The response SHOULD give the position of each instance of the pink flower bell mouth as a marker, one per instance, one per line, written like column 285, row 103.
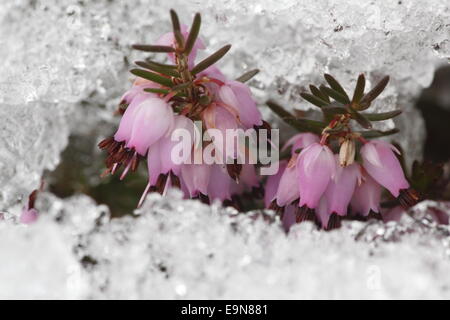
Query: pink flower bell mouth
column 29, row 213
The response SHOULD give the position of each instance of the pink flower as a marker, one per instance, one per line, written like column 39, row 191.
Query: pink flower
column 160, row 159
column 168, row 39
column 300, row 141
column 28, row 215
column 288, row 188
column 381, row 163
column 316, row 165
column 153, row 119
column 134, row 98
column 272, row 183
column 238, row 96
column 219, row 186
column 218, row 118
column 248, row 180
column 196, row 178
column 366, row 196
column 339, row 192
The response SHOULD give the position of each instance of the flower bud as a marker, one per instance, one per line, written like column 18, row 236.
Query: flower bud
column 347, row 153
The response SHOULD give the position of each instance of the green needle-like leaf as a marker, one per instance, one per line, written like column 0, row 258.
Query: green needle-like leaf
column 362, row 120
column 382, row 116
column 319, row 94
column 314, row 100
column 302, row 125
column 175, row 20
column 359, row 89
column 334, row 84
column 152, row 77
column 150, row 48
column 163, row 65
column 202, row 65
column 334, row 94
column 176, row 28
column 375, row 92
column 193, row 34
column 378, row 133
column 248, row 75
column 163, row 91
column 157, row 90
column 334, row 108
column 181, row 86
column 157, row 68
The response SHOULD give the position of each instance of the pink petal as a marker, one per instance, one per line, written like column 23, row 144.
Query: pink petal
column 323, row 212
column 154, row 164
column 272, row 184
column 389, row 172
column 366, row 197
column 126, row 123
column 340, row 190
column 153, row 119
column 300, row 141
column 315, row 167
column 196, row 177
column 238, row 95
column 29, row 216
column 370, row 154
column 288, row 187
column 219, row 183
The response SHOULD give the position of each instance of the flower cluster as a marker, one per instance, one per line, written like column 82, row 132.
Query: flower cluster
column 332, row 168
column 321, row 185
column 186, row 97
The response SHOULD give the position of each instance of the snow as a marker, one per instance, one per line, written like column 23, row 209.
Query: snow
column 176, row 249
column 64, row 67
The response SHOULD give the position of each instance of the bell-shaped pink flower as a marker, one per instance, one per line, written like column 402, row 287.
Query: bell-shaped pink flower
column 300, row 141
column 272, row 183
column 238, row 96
column 366, row 197
column 341, row 188
column 153, row 119
column 288, row 188
column 316, row 165
column 219, row 183
column 339, row 192
column 219, row 118
column 381, row 163
column 29, row 215
column 126, row 122
column 168, row 39
column 160, row 159
column 196, row 178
